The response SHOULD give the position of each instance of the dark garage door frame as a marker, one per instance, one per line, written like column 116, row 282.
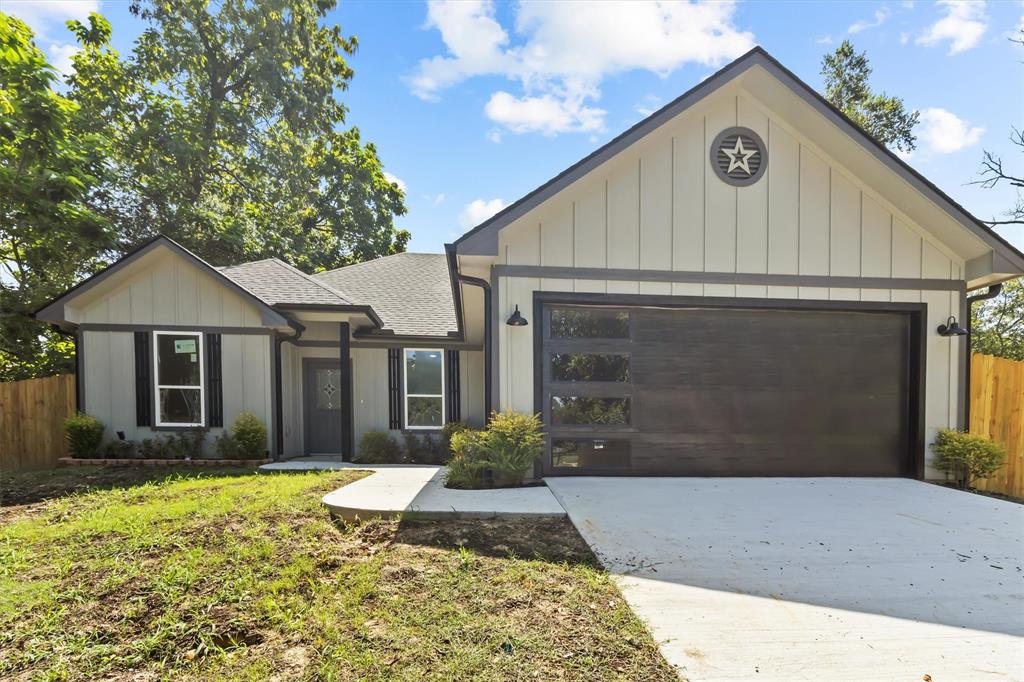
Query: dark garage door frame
column 915, row 312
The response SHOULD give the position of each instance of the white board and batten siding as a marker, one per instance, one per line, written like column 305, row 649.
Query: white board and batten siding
column 658, row 206
column 176, row 293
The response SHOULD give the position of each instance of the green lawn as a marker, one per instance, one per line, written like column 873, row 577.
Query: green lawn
column 236, row 575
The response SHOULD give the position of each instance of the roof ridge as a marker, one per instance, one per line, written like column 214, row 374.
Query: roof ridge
column 318, row 283
column 374, row 260
column 248, row 262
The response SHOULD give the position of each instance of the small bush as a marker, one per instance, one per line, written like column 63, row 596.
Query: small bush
column 378, row 447
column 423, row 448
column 185, row 444
column 118, row 449
column 84, row 434
column 499, row 456
column 966, row 455
column 250, row 436
column 226, row 446
column 449, row 430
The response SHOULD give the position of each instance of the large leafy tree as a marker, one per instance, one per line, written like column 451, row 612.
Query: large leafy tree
column 229, row 134
column 50, row 163
column 998, row 324
column 882, row 116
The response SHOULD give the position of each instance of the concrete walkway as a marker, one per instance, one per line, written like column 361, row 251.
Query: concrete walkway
column 813, row 579
column 418, row 490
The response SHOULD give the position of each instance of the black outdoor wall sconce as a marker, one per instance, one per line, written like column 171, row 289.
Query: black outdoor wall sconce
column 951, row 328
column 516, row 319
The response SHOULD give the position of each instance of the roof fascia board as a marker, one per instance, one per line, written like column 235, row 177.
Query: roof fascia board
column 54, row 310
column 483, row 239
column 330, row 308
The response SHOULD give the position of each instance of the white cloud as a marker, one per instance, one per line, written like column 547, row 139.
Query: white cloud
column 563, row 54
column 648, row 105
column 962, row 26
column 881, row 14
column 479, row 210
column 944, row 132
column 47, row 17
column 494, row 135
column 824, row 40
column 43, row 15
column 59, row 55
column 396, row 180
column 546, row 114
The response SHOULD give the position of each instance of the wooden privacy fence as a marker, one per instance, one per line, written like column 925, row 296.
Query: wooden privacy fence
column 997, row 411
column 32, row 414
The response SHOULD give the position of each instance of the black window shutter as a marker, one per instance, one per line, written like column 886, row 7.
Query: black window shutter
column 452, row 389
column 143, row 380
column 214, row 382
column 394, row 388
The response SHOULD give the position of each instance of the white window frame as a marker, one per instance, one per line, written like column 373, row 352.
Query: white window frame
column 157, row 385
column 405, row 389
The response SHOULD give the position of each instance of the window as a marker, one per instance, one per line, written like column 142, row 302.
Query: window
column 580, row 410
column 179, row 378
column 424, row 389
column 589, row 323
column 589, row 367
column 590, row 453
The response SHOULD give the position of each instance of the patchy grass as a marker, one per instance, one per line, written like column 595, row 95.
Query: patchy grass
column 232, row 575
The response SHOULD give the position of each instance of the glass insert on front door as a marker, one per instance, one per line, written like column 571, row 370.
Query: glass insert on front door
column 328, row 389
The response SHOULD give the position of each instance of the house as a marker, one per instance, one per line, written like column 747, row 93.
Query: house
column 743, row 283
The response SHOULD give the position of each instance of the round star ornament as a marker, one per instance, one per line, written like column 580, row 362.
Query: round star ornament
column 739, row 156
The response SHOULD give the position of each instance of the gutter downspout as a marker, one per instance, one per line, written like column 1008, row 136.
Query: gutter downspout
column 278, row 408
column 453, row 267
column 992, row 292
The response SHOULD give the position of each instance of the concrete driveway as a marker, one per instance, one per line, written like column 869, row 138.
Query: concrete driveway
column 813, row 579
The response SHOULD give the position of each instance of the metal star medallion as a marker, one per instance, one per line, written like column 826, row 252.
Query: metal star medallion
column 739, row 157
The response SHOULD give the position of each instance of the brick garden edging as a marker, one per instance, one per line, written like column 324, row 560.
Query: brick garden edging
column 163, row 462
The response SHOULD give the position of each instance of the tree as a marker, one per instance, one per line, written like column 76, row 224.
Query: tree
column 998, row 324
column 993, row 173
column 229, row 134
column 882, row 117
column 50, row 163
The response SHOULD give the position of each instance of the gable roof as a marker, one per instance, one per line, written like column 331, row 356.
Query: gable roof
column 411, row 292
column 278, row 283
column 54, row 310
column 483, row 239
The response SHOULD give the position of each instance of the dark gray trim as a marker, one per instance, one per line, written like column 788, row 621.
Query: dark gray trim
column 268, row 315
column 383, row 344
column 79, row 371
column 490, row 331
column 331, row 308
column 918, row 313
column 347, row 411
column 483, row 239
column 967, row 318
column 495, row 323
column 277, row 409
column 556, row 272
column 206, row 329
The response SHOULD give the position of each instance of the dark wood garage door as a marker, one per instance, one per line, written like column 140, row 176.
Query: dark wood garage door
column 727, row 391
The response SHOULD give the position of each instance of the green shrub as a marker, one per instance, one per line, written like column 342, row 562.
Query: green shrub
column 226, row 446
column 186, row 444
column 499, row 456
column 449, row 430
column 250, row 436
column 84, row 434
column 423, row 448
column 966, row 455
column 118, row 449
column 378, row 447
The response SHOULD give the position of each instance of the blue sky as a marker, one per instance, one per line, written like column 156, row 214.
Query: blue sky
column 472, row 105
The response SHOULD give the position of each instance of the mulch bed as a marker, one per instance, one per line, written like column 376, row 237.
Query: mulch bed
column 72, row 461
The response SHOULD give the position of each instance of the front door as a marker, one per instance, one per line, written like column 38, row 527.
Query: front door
column 322, row 398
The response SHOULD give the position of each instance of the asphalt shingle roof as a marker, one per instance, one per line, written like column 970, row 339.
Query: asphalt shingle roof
column 411, row 292
column 276, row 282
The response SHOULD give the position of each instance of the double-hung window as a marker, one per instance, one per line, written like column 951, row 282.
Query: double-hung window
column 424, row 388
column 178, row 359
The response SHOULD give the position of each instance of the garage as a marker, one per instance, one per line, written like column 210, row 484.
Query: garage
column 647, row 385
